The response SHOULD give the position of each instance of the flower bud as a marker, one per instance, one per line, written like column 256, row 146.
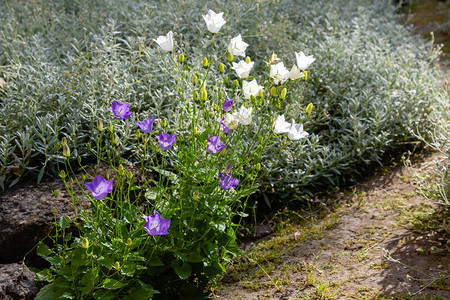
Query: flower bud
column 163, row 123
column 273, row 91
column 283, row 94
column 115, row 139
column 261, row 94
column 221, row 68
column 100, row 125
column 64, row 141
column 309, row 108
column 306, row 75
column 110, row 127
column 66, row 151
column 220, row 95
column 2, row 84
column 195, row 96
column 230, row 57
column 204, row 94
column 235, row 84
column 138, row 134
column 195, row 131
column 258, row 167
column 248, row 60
column 181, row 58
column 117, row 265
column 223, row 152
column 226, row 80
column 85, row 243
column 129, row 242
column 130, row 175
column 205, row 62
column 195, row 196
column 228, row 168
column 62, row 174
column 194, row 79
column 121, row 169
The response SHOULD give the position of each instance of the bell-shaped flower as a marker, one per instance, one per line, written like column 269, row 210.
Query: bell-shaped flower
column 165, row 42
column 213, row 145
column 227, row 181
column 146, row 125
column 166, row 141
column 155, row 225
column 237, row 46
column 303, row 61
column 251, row 88
column 245, row 115
column 295, row 73
column 120, row 110
column 223, row 127
column 280, row 125
column 214, row 21
column 279, row 73
column 99, row 187
column 228, row 105
column 242, row 68
column 231, row 121
column 296, row 131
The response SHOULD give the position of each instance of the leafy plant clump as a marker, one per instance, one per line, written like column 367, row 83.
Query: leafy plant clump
column 168, row 228
column 63, row 62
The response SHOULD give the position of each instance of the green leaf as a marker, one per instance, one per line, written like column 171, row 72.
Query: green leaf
column 51, row 291
column 43, row 250
column 195, row 257
column 155, row 261
column 106, row 261
column 112, row 284
column 87, row 283
column 64, row 222
column 184, row 271
column 142, row 292
column 151, row 193
column 44, row 275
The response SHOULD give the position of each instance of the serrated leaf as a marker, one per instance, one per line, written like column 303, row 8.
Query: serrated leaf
column 43, row 250
column 112, row 284
column 64, row 222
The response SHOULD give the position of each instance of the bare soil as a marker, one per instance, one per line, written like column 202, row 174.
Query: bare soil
column 376, row 245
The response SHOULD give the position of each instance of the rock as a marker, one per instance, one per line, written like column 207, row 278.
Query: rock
column 26, row 216
column 17, row 282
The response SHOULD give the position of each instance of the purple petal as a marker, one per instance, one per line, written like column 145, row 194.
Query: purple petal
column 146, row 125
column 99, row 187
column 120, row 110
column 228, row 105
column 155, row 225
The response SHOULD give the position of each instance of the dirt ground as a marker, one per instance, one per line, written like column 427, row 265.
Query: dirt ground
column 375, row 245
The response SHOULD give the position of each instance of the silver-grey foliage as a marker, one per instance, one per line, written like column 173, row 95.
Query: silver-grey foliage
column 65, row 61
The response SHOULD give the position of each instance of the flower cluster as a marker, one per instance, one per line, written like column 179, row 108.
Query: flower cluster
column 294, row 131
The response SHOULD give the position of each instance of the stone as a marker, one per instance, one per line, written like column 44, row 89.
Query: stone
column 26, row 216
column 17, row 282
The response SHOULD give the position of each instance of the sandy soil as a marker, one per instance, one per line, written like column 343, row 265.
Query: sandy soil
column 374, row 246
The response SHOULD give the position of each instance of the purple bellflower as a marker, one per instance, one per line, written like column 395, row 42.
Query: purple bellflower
column 228, row 105
column 213, row 145
column 155, row 225
column 99, row 187
column 223, row 127
column 166, row 141
column 226, row 181
column 146, row 125
column 120, row 110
